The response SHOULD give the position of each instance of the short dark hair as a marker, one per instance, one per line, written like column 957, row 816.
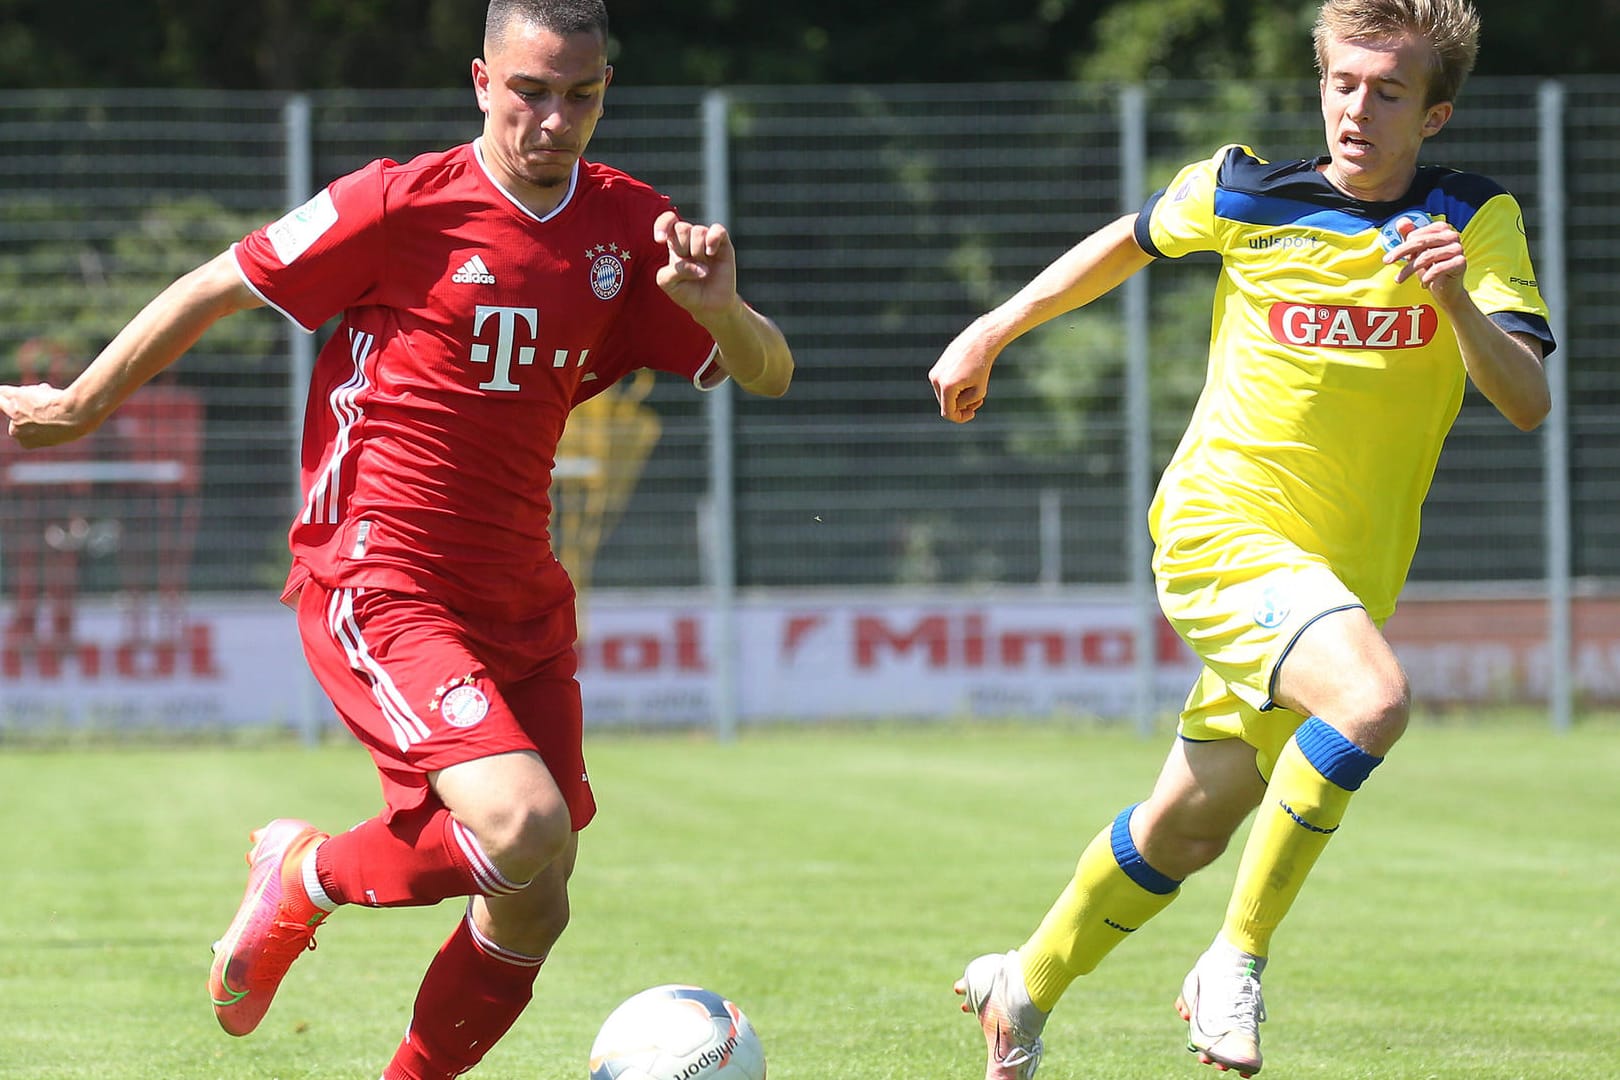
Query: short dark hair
column 563, row 17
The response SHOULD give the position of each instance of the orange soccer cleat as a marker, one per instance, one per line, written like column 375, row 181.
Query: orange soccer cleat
column 273, row 927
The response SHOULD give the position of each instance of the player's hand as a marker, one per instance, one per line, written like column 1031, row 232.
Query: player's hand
column 1435, row 254
column 701, row 274
column 38, row 415
column 961, row 376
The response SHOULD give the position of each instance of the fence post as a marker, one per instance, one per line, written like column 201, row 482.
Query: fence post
column 722, row 547
column 299, row 150
column 1138, row 414
column 1051, row 538
column 1555, row 446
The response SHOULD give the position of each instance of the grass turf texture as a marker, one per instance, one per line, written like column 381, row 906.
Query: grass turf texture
column 834, row 883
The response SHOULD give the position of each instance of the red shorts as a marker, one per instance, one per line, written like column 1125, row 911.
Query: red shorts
column 425, row 688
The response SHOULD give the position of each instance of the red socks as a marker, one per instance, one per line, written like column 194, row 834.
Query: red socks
column 472, row 994
column 415, row 859
column 474, row 990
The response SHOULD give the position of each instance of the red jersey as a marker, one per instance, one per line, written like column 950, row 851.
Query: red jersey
column 470, row 328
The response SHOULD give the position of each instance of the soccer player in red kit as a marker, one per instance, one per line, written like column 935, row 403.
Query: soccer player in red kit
column 483, row 291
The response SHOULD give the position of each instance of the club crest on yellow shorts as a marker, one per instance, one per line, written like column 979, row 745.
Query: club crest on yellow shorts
column 1240, row 605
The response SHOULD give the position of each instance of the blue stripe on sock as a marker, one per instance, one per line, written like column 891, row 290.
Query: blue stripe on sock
column 1334, row 756
column 1130, row 860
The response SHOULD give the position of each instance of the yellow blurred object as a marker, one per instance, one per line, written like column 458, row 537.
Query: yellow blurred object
column 599, row 461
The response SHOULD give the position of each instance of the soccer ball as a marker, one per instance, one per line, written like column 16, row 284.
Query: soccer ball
column 677, row 1033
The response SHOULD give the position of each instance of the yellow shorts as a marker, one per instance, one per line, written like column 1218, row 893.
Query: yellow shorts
column 1240, row 601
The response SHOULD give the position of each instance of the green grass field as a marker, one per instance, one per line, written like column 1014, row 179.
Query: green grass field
column 1463, row 925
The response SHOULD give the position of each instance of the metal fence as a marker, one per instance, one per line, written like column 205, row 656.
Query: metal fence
column 872, row 223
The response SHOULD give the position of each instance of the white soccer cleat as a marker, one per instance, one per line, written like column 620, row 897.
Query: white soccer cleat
column 1012, row 1033
column 1223, row 1009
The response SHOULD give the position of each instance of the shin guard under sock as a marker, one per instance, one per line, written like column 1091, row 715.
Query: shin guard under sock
column 472, row 994
column 414, row 859
column 1316, row 773
column 1114, row 891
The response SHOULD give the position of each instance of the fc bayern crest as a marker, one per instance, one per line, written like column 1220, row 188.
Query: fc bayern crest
column 607, row 270
column 464, row 706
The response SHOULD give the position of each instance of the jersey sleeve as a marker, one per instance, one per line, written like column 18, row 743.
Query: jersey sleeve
column 662, row 331
column 685, row 349
column 322, row 257
column 1179, row 219
column 653, row 331
column 1500, row 277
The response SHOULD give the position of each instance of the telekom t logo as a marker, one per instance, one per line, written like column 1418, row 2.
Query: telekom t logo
column 506, row 328
column 506, row 348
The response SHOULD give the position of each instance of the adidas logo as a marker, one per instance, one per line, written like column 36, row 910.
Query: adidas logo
column 473, row 272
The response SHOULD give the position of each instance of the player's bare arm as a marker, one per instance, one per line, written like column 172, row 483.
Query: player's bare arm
column 701, row 276
column 42, row 415
column 1090, row 269
column 1505, row 366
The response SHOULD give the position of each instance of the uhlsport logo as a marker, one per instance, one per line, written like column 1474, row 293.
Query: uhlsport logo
column 1330, row 326
column 473, row 272
column 607, row 269
column 1267, row 243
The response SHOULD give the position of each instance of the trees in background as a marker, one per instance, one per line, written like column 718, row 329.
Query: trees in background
column 324, row 44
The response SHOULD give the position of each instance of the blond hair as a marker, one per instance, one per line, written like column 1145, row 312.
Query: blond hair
column 1449, row 27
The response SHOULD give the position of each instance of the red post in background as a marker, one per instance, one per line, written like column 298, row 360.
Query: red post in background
column 128, row 490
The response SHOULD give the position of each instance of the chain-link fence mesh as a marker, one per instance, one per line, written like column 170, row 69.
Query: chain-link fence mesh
column 872, row 224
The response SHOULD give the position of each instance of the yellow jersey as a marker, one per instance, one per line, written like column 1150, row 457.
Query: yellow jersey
column 1330, row 388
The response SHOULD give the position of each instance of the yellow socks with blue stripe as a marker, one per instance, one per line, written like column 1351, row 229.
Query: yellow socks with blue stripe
column 1310, row 788
column 1114, row 891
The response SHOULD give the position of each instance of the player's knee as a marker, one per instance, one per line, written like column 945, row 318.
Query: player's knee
column 539, row 839
column 547, row 925
column 1178, row 851
column 1377, row 715
column 531, row 921
column 1190, row 854
column 535, row 929
column 523, row 838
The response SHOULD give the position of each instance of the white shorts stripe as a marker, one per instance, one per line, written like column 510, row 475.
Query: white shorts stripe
column 408, row 728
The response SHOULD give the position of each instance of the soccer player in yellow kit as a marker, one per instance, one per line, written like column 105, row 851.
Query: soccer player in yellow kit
column 1358, row 292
